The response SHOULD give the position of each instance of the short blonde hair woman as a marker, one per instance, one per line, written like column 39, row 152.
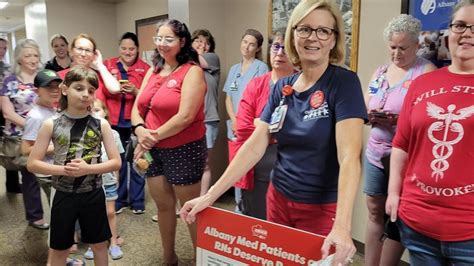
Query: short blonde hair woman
column 338, row 53
column 317, row 170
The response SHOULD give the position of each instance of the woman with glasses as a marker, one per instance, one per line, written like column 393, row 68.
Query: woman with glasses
column 168, row 119
column 84, row 52
column 385, row 96
column 237, row 79
column 204, row 44
column 130, row 71
column 254, row 184
column 316, row 116
column 62, row 60
column 431, row 172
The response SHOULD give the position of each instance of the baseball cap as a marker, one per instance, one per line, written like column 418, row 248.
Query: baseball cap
column 45, row 76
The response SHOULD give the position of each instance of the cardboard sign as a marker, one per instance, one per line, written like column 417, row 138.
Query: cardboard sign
column 227, row 238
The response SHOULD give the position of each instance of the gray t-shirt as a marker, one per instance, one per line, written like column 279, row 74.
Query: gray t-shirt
column 110, row 178
column 34, row 120
column 212, row 74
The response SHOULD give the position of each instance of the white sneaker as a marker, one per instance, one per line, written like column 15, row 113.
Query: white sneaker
column 115, row 252
column 89, row 254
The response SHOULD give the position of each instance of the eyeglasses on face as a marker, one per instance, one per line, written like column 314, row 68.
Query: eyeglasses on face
column 276, row 48
column 461, row 27
column 323, row 33
column 166, row 40
column 84, row 50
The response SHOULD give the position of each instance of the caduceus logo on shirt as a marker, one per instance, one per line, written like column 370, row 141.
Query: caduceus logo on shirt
column 443, row 147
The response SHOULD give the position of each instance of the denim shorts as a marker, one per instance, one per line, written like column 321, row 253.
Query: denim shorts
column 425, row 250
column 375, row 181
column 212, row 128
column 111, row 192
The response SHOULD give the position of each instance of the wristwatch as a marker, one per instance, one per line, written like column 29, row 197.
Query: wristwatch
column 136, row 126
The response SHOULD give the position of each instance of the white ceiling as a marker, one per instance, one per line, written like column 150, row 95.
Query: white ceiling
column 13, row 16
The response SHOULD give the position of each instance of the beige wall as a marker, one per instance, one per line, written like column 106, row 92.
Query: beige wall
column 375, row 15
column 227, row 20
column 373, row 51
column 73, row 17
column 131, row 10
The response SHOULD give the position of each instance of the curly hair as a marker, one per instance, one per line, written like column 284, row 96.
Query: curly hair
column 186, row 53
column 403, row 24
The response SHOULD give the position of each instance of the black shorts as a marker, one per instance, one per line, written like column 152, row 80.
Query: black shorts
column 183, row 165
column 88, row 208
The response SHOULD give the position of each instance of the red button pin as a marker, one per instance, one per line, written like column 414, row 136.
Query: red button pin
column 317, row 99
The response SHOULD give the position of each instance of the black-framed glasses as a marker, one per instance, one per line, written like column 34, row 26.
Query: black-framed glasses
column 276, row 48
column 461, row 27
column 323, row 33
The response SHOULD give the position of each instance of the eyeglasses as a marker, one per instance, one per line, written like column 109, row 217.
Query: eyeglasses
column 461, row 27
column 323, row 33
column 166, row 40
column 276, row 48
column 84, row 50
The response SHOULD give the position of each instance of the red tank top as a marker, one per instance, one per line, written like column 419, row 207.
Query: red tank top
column 159, row 101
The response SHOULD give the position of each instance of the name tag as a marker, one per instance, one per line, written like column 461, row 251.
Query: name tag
column 278, row 117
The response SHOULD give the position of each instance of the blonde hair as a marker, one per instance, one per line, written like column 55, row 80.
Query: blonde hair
column 104, row 108
column 338, row 53
column 20, row 47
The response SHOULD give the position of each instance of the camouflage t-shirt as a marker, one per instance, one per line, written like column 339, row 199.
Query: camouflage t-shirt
column 77, row 138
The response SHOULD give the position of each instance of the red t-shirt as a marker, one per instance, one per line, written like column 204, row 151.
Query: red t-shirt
column 435, row 128
column 163, row 95
column 254, row 99
column 135, row 73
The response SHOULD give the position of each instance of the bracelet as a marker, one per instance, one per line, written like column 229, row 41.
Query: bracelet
column 136, row 126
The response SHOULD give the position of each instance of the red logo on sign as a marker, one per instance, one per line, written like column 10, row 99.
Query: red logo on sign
column 258, row 231
column 317, row 99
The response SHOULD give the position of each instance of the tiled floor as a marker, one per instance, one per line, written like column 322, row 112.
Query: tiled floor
column 21, row 244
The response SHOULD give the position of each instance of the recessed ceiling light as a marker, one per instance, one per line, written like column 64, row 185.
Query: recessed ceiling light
column 3, row 5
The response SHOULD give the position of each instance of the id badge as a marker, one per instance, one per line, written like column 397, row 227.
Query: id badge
column 278, row 117
column 233, row 86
